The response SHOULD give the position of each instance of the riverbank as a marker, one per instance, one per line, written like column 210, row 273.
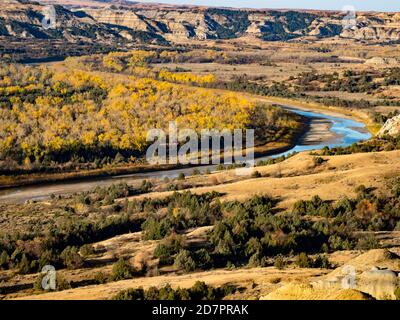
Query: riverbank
column 338, row 132
column 359, row 115
column 36, row 179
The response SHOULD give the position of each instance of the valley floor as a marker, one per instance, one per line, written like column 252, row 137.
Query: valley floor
column 294, row 179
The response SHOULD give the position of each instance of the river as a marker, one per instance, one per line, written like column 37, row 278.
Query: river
column 325, row 130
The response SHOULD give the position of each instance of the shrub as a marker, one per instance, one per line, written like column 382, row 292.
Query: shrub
column 367, row 242
column 146, row 186
column 100, row 277
column 167, row 249
column 4, row 260
column 203, row 259
column 280, row 262
column 181, row 176
column 62, row 283
column 184, row 261
column 397, row 293
column 253, row 247
column 86, row 250
column 121, row 270
column 199, row 291
column 154, row 229
column 254, row 261
column 304, row 261
column 71, row 258
column 130, row 294
column 318, row 161
column 37, row 285
column 256, row 174
column 24, row 265
column 322, row 262
column 300, row 207
column 196, row 172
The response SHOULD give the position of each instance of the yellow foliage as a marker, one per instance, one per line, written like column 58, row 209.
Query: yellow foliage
column 186, row 77
column 79, row 109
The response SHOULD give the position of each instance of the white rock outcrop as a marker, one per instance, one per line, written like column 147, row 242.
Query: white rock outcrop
column 391, row 127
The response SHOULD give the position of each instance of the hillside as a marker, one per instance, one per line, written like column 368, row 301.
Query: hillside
column 23, row 19
column 189, row 22
column 84, row 27
column 122, row 21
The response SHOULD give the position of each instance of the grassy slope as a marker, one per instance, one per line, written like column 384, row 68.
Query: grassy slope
column 299, row 178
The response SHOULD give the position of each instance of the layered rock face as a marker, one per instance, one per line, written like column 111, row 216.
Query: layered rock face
column 24, row 19
column 391, row 127
column 211, row 23
column 112, row 20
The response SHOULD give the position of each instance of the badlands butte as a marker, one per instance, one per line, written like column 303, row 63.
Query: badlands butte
column 76, row 100
column 183, row 23
column 99, row 26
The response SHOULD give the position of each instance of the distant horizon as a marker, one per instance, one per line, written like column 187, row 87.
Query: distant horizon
column 337, row 5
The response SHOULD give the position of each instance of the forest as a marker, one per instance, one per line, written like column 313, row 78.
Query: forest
column 97, row 110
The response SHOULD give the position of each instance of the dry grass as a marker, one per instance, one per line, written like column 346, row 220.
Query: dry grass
column 302, row 179
column 259, row 278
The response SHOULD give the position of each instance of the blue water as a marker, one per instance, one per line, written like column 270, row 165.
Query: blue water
column 347, row 132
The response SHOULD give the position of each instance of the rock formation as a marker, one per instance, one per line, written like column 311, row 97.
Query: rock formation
column 391, row 127
column 110, row 19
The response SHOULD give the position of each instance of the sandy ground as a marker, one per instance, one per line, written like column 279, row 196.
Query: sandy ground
column 255, row 283
column 262, row 278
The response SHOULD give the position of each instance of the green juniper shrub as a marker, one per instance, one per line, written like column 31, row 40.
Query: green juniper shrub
column 367, row 242
column 256, row 174
column 24, row 266
column 172, row 187
column 196, row 172
column 100, row 277
column 121, row 270
column 154, row 229
column 322, row 261
column 304, row 261
column 199, row 291
column 279, row 262
column 202, row 259
column 181, row 176
column 4, row 260
column 397, row 293
column 184, row 261
column 185, row 210
column 62, row 283
column 71, row 258
column 146, row 186
column 254, row 261
column 168, row 248
column 318, row 161
column 86, row 250
column 130, row 294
